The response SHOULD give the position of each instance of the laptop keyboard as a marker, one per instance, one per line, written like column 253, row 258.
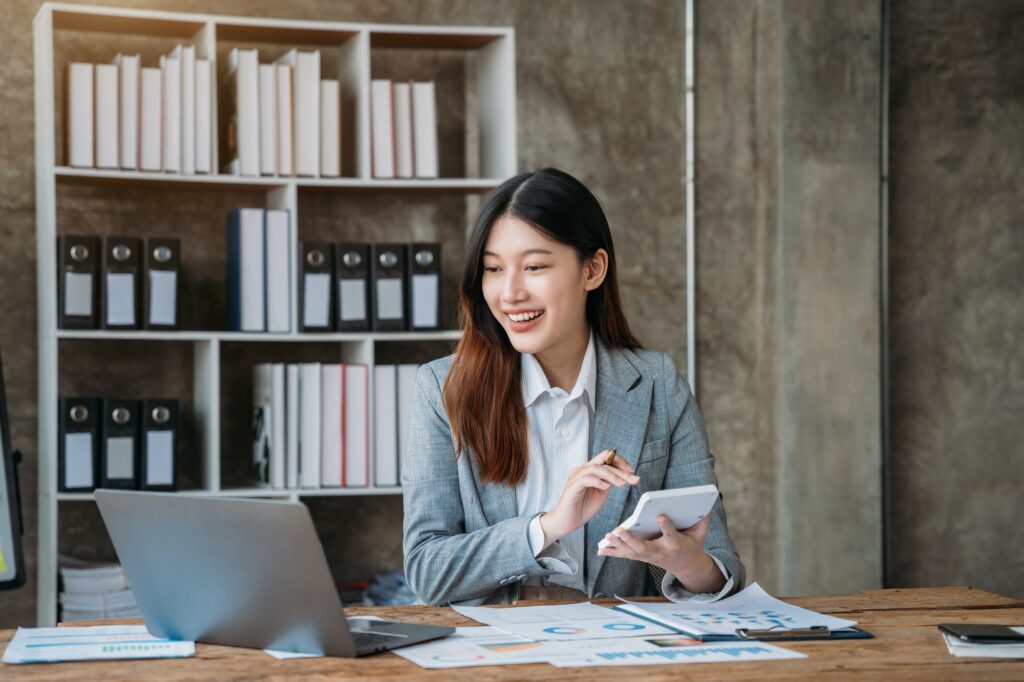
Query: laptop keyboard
column 371, row 640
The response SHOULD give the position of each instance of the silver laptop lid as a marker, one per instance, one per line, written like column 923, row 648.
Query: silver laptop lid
column 238, row 572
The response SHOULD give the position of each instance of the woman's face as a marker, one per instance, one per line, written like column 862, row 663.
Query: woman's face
column 536, row 287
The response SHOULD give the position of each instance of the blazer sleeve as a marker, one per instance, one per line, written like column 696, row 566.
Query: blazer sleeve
column 444, row 563
column 691, row 463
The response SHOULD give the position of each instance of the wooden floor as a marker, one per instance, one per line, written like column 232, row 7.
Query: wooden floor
column 907, row 646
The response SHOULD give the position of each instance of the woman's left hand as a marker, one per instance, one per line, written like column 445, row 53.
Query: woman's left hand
column 679, row 552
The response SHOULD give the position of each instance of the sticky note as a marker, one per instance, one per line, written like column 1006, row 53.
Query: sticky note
column 3, row 563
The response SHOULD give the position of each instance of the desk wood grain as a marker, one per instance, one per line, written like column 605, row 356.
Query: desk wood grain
column 907, row 646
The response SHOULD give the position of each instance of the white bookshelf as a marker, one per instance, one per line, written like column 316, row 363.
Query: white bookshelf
column 494, row 50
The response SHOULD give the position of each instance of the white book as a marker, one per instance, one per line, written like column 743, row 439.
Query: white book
column 107, row 107
column 285, row 152
column 309, row 428
column 402, row 94
column 246, row 270
column 80, row 111
column 262, row 422
column 381, row 134
column 330, row 129
column 306, row 110
column 188, row 109
column 424, row 116
column 278, row 433
column 150, row 119
column 292, row 426
column 356, row 426
column 170, row 65
column 128, row 115
column 204, row 118
column 331, row 444
column 243, row 135
column 279, row 260
column 406, row 391
column 268, row 119
column 385, row 424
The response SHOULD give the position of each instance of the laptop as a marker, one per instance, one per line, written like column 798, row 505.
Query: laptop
column 247, row 573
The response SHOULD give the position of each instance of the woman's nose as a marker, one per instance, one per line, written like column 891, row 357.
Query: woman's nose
column 512, row 288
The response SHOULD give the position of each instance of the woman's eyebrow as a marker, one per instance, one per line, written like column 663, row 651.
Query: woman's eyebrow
column 528, row 252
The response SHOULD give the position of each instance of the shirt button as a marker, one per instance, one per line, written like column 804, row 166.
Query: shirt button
column 565, row 433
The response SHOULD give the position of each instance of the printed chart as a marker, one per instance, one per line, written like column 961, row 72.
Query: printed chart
column 474, row 646
column 646, row 652
column 563, row 622
column 753, row 608
column 102, row 642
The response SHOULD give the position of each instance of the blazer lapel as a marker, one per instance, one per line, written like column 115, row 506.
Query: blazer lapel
column 623, row 405
column 497, row 499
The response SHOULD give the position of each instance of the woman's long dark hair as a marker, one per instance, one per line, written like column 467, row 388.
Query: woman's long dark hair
column 483, row 393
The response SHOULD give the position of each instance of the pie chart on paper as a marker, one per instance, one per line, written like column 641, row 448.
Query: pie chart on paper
column 564, row 630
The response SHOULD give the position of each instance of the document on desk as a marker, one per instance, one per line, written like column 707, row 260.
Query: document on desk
column 644, row 651
column 480, row 646
column 753, row 608
column 475, row 646
column 563, row 622
column 97, row 643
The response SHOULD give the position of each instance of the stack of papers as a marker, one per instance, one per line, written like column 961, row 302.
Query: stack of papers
column 100, row 643
column 577, row 635
column 95, row 591
column 958, row 647
column 479, row 646
column 751, row 609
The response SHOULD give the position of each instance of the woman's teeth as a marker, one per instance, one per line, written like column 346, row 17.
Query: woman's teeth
column 525, row 317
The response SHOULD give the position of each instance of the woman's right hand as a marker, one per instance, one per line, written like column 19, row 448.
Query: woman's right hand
column 585, row 492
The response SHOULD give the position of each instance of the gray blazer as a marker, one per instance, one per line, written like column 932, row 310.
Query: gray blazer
column 463, row 540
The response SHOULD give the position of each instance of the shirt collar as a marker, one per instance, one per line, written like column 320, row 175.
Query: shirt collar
column 535, row 382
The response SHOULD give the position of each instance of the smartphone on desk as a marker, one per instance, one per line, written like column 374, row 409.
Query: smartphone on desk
column 979, row 633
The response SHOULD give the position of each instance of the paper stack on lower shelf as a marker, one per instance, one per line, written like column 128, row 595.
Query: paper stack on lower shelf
column 95, row 591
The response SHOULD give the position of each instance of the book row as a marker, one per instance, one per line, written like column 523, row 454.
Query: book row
column 117, row 282
column 128, row 116
column 258, row 270
column 403, row 129
column 117, row 443
column 282, row 118
column 311, row 424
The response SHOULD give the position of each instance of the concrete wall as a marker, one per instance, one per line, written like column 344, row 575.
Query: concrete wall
column 788, row 276
column 957, row 294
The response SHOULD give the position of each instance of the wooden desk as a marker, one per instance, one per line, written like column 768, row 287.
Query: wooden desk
column 907, row 646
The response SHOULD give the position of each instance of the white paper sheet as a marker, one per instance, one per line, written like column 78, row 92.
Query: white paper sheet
column 101, row 642
column 563, row 621
column 475, row 646
column 636, row 651
column 752, row 608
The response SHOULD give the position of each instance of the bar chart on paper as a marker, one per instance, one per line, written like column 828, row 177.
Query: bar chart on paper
column 644, row 652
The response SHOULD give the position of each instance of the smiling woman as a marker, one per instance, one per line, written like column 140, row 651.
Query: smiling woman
column 511, row 476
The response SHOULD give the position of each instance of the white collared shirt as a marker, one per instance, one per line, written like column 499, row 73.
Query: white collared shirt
column 560, row 438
